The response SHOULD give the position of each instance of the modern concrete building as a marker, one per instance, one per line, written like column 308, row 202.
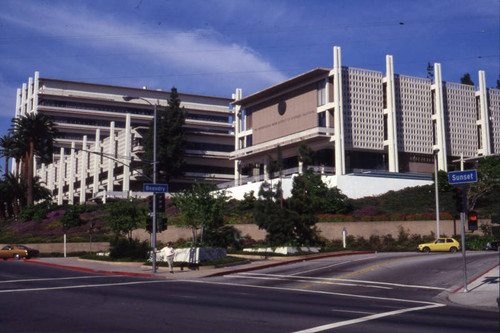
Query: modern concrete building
column 365, row 122
column 372, row 131
column 98, row 148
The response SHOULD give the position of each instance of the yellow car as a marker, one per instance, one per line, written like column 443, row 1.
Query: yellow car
column 440, row 244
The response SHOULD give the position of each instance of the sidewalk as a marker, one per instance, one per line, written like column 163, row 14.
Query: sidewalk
column 482, row 293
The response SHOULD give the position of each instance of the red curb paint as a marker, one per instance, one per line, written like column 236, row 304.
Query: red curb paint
column 477, row 277
column 88, row 270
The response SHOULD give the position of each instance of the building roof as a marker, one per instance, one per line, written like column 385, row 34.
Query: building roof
column 319, row 71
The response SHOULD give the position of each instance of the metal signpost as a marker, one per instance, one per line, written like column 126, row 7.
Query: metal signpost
column 155, row 188
column 460, row 179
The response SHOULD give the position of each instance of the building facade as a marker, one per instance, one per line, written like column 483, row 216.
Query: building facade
column 360, row 120
column 98, row 147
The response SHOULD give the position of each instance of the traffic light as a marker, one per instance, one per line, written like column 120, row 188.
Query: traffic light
column 46, row 150
column 161, row 225
column 460, row 197
column 472, row 221
column 160, row 202
column 150, row 203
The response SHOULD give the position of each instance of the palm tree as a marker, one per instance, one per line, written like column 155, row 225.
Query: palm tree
column 6, row 149
column 34, row 133
column 16, row 188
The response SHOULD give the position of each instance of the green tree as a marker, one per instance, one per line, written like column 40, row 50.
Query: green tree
column 170, row 140
column 466, row 79
column 32, row 129
column 124, row 216
column 15, row 189
column 269, row 214
column 336, row 202
column 202, row 208
column 488, row 182
column 306, row 155
column 7, row 149
column 308, row 196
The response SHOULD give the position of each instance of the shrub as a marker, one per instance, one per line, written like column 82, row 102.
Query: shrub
column 397, row 217
column 128, row 248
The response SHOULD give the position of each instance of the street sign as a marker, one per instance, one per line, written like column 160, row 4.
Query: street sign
column 460, row 177
column 157, row 188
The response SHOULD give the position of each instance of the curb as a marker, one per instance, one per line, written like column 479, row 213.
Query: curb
column 225, row 272
column 285, row 262
column 474, row 279
column 89, row 270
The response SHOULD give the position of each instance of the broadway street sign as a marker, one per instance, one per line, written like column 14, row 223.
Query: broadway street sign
column 160, row 188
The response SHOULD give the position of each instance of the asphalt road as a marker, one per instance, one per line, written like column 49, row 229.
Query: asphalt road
column 376, row 293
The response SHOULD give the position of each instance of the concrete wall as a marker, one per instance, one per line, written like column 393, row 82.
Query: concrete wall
column 70, row 247
column 353, row 186
column 333, row 230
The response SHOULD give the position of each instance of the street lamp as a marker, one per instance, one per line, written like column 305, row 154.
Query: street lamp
column 434, row 153
column 153, row 231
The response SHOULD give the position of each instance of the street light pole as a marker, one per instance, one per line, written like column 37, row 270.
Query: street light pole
column 435, row 152
column 153, row 231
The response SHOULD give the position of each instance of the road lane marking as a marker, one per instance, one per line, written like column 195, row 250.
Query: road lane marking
column 304, row 280
column 350, row 311
column 101, row 285
column 327, row 280
column 363, row 270
column 336, row 264
column 314, row 292
column 367, row 318
column 58, row 279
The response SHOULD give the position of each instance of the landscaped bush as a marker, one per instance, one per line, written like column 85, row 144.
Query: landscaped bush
column 128, row 248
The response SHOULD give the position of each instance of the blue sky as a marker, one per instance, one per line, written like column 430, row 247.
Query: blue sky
column 213, row 47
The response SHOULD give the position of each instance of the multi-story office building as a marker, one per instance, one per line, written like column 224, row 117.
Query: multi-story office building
column 360, row 120
column 98, row 147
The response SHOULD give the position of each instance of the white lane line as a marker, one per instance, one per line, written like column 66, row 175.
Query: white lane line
column 333, row 279
column 367, row 318
column 349, row 311
column 304, row 280
column 315, row 292
column 58, row 279
column 333, row 265
column 101, row 285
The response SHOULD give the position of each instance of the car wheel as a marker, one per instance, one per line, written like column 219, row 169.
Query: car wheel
column 17, row 256
column 426, row 250
column 453, row 249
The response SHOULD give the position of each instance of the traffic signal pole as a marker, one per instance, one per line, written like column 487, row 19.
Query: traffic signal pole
column 462, row 220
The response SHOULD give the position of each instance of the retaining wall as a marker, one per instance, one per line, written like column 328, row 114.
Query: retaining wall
column 333, row 230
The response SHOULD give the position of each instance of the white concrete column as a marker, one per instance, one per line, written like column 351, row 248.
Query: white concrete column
column 485, row 117
column 97, row 162
column 237, row 123
column 392, row 136
column 439, row 117
column 23, row 99
column 35, row 92
column 51, row 176
column 29, row 98
column 127, row 153
column 72, row 173
column 60, row 177
column 111, row 152
column 83, row 156
column 338, row 116
column 18, row 102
